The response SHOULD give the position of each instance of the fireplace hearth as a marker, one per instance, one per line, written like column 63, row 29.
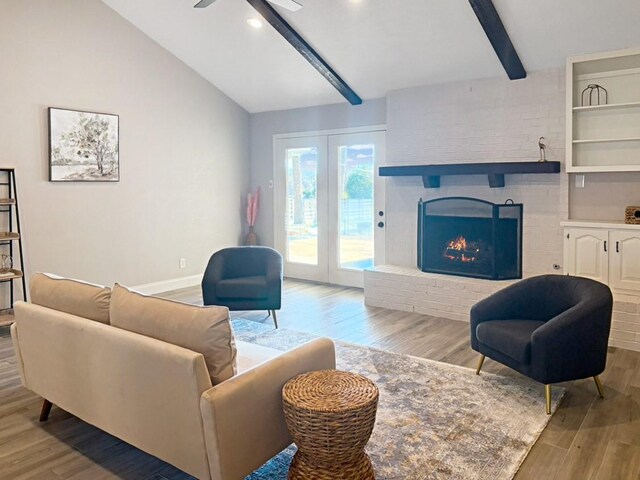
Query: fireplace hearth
column 470, row 237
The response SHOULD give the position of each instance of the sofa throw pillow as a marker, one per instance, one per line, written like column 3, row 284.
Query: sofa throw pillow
column 71, row 296
column 206, row 330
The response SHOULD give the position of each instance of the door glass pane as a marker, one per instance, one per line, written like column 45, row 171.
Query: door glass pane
column 356, row 216
column 301, row 219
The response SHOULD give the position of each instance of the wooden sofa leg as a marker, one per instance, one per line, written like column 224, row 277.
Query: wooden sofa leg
column 599, row 386
column 46, row 409
column 480, row 362
column 275, row 318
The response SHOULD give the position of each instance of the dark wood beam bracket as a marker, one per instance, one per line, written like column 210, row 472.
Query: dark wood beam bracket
column 495, row 171
column 306, row 50
column 488, row 16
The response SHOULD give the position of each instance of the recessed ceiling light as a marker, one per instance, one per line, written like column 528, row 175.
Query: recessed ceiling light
column 254, row 22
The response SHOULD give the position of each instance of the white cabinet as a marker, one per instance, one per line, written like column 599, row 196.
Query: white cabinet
column 587, row 253
column 607, row 252
column 624, row 263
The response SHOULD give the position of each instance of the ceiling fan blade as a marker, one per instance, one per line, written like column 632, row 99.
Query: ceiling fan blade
column 288, row 4
column 203, row 3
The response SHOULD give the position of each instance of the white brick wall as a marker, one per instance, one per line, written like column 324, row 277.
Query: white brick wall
column 488, row 120
column 479, row 121
column 410, row 290
column 625, row 326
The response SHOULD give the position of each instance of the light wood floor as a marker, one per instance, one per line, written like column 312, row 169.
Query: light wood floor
column 587, row 438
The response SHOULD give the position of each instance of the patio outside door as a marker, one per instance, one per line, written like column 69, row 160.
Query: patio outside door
column 330, row 205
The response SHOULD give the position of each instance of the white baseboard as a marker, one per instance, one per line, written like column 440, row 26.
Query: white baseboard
column 167, row 285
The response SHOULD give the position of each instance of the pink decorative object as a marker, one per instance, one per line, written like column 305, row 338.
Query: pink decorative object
column 252, row 207
column 252, row 215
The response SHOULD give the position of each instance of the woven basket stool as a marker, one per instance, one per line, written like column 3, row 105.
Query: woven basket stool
column 330, row 415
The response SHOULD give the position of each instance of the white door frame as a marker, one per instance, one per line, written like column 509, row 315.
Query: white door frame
column 279, row 198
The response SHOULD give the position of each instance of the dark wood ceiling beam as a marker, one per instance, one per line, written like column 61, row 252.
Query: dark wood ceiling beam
column 488, row 16
column 299, row 43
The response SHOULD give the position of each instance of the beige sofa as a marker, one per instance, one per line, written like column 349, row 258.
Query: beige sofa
column 159, row 396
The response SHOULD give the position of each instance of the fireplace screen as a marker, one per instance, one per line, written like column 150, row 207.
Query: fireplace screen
column 470, row 237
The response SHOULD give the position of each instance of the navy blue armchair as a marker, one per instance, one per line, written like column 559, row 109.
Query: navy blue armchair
column 551, row 328
column 244, row 278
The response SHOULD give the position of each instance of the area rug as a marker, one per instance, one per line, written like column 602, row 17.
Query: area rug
column 435, row 420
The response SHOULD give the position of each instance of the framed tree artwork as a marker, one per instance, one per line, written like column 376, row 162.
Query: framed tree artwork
column 83, row 146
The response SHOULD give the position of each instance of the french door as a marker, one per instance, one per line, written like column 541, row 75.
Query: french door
column 330, row 205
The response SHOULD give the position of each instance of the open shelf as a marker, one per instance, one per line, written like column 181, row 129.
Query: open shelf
column 6, row 318
column 14, row 274
column 6, row 236
column 611, row 106
column 607, row 140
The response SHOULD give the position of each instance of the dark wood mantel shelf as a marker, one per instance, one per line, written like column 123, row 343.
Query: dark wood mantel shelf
column 494, row 170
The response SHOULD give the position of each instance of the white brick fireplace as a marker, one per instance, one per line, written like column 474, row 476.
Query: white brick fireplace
column 488, row 120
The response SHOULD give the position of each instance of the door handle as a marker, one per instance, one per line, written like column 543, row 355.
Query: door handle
column 605, row 245
column 617, row 247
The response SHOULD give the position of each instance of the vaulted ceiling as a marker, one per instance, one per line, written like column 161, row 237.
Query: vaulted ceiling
column 375, row 45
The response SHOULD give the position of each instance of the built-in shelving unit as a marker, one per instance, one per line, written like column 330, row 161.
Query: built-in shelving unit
column 606, row 137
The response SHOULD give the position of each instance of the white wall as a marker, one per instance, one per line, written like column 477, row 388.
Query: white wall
column 184, row 153
column 265, row 125
column 491, row 120
column 604, row 195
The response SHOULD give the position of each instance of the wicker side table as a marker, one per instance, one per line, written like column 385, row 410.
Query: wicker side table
column 330, row 415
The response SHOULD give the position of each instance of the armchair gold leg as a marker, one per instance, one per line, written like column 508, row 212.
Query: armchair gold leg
column 480, row 362
column 599, row 386
column 275, row 318
column 547, row 395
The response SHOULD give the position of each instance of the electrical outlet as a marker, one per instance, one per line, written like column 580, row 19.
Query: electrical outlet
column 183, row 263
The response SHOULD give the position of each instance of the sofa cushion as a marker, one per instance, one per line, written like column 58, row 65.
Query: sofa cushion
column 511, row 337
column 245, row 287
column 206, row 330
column 71, row 296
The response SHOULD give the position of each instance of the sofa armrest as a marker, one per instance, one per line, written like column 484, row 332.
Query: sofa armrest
column 274, row 280
column 212, row 275
column 572, row 345
column 16, row 348
column 243, row 419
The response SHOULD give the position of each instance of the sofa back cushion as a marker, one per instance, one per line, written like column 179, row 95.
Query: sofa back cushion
column 206, row 330
column 71, row 296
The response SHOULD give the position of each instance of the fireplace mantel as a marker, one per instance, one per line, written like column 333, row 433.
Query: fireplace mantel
column 494, row 170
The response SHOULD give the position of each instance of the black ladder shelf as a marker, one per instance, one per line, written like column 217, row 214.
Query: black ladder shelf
column 12, row 237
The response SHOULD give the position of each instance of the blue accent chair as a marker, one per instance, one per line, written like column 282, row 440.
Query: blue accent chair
column 551, row 328
column 244, row 278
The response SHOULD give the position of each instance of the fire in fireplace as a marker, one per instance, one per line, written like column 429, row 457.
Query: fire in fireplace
column 470, row 237
column 459, row 250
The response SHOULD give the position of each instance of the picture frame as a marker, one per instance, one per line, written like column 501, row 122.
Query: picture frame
column 83, row 146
